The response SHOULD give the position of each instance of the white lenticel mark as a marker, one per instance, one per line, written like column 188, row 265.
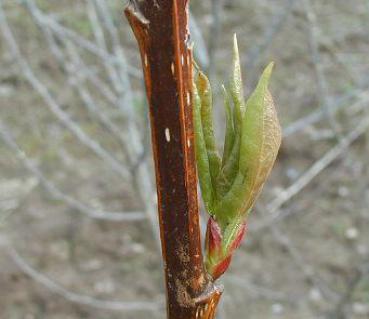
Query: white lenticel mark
column 167, row 135
column 182, row 59
column 172, row 67
column 188, row 143
column 145, row 60
column 188, row 98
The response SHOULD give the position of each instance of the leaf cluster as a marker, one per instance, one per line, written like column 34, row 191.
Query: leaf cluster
column 230, row 184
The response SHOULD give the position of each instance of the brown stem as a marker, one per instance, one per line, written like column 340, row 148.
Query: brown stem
column 161, row 30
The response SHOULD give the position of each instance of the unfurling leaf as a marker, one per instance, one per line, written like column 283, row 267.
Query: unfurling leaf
column 231, row 185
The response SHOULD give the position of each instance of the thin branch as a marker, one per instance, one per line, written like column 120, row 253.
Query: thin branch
column 98, row 31
column 89, row 102
column 306, row 270
column 87, row 71
column 346, row 298
column 323, row 92
column 76, row 298
column 200, row 50
column 215, row 30
column 58, row 194
column 78, row 72
column 360, row 95
column 258, row 291
column 273, row 208
column 161, row 30
column 132, row 138
column 273, row 28
column 63, row 31
column 53, row 105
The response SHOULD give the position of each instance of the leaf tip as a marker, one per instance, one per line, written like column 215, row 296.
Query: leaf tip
column 268, row 71
column 236, row 54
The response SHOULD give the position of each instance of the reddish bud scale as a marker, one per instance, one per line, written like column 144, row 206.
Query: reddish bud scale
column 213, row 237
column 218, row 256
column 219, row 269
column 238, row 239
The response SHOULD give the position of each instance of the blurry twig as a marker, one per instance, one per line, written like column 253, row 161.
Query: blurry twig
column 361, row 96
column 200, row 50
column 77, row 81
column 339, row 310
column 135, row 150
column 258, row 291
column 122, row 69
column 78, row 72
column 214, row 33
column 274, row 27
column 273, row 208
column 323, row 93
column 53, row 24
column 307, row 270
column 88, row 71
column 53, row 105
column 141, row 174
column 78, row 298
column 99, row 34
column 58, row 194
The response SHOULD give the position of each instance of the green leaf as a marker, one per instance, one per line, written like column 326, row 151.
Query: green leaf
column 261, row 138
column 229, row 134
column 205, row 94
column 231, row 185
column 260, row 141
column 202, row 159
column 230, row 169
column 236, row 87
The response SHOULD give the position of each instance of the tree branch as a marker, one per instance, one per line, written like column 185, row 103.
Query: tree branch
column 161, row 29
column 52, row 286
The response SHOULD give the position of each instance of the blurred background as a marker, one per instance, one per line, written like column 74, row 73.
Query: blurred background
column 78, row 233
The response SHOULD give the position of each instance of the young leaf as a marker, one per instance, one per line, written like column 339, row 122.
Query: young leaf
column 260, row 141
column 229, row 135
column 205, row 94
column 261, row 138
column 230, row 169
column 236, row 87
column 202, row 160
column 230, row 186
